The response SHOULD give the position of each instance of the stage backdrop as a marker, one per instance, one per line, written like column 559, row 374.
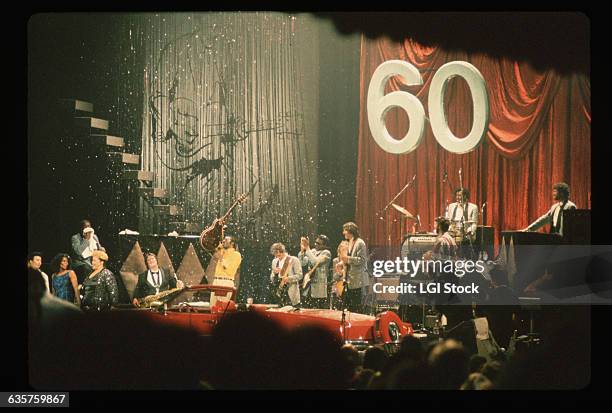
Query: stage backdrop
column 223, row 115
column 539, row 133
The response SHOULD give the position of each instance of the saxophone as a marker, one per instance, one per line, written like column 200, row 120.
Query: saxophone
column 154, row 300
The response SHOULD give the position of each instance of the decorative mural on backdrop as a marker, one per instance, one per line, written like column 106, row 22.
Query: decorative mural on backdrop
column 223, row 117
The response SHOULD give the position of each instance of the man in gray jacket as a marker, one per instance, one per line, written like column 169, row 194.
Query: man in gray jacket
column 356, row 258
column 285, row 276
column 83, row 245
column 315, row 289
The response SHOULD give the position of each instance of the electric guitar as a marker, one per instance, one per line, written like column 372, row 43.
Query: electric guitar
column 283, row 286
column 213, row 235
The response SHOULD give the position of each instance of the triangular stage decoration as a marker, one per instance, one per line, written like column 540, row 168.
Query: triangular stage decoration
column 163, row 259
column 134, row 264
column 511, row 267
column 190, row 271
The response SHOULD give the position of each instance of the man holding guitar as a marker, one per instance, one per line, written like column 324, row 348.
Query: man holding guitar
column 339, row 277
column 314, row 286
column 355, row 260
column 285, row 276
column 227, row 262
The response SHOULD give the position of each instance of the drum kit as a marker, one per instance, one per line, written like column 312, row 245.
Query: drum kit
column 417, row 242
column 456, row 230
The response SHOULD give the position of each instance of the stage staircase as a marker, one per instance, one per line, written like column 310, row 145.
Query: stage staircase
column 115, row 176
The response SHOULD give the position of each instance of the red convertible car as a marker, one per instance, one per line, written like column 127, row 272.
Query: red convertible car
column 188, row 309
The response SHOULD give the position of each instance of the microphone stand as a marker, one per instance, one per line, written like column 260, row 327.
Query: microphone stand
column 450, row 185
column 343, row 324
column 464, row 232
column 386, row 209
column 482, row 246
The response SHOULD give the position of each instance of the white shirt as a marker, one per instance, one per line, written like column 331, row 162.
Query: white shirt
column 454, row 213
column 152, row 281
column 552, row 216
column 279, row 264
column 46, row 280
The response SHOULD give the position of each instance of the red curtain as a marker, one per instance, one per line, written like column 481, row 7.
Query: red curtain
column 539, row 133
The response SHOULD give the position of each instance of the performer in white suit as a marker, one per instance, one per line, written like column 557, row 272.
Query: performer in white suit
column 460, row 215
column 315, row 292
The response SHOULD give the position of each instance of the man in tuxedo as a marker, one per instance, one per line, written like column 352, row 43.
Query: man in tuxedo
column 35, row 262
column 152, row 281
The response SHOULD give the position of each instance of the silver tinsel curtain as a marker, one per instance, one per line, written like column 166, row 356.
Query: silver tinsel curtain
column 222, row 116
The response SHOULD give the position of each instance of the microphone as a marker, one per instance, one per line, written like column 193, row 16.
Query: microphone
column 411, row 182
column 445, row 177
column 483, row 205
column 419, row 220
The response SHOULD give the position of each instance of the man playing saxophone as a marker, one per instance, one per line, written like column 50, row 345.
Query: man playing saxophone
column 153, row 281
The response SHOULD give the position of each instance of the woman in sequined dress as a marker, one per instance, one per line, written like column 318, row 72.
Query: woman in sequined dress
column 100, row 290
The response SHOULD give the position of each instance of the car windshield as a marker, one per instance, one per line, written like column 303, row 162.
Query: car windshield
column 190, row 296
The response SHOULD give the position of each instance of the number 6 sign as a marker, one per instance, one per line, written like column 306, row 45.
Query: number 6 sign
column 378, row 104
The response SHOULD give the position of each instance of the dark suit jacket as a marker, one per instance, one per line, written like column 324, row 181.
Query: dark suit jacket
column 144, row 288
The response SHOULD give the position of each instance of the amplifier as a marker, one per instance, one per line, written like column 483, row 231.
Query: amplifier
column 417, row 245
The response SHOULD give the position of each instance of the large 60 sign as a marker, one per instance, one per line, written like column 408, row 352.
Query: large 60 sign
column 379, row 104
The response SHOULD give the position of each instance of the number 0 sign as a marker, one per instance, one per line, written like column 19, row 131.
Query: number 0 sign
column 378, row 104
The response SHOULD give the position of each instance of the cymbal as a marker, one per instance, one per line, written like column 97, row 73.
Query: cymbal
column 403, row 211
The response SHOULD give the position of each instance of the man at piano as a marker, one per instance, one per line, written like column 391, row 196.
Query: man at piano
column 554, row 216
column 463, row 214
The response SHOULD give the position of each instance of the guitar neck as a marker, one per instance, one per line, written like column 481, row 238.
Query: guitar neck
column 229, row 211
